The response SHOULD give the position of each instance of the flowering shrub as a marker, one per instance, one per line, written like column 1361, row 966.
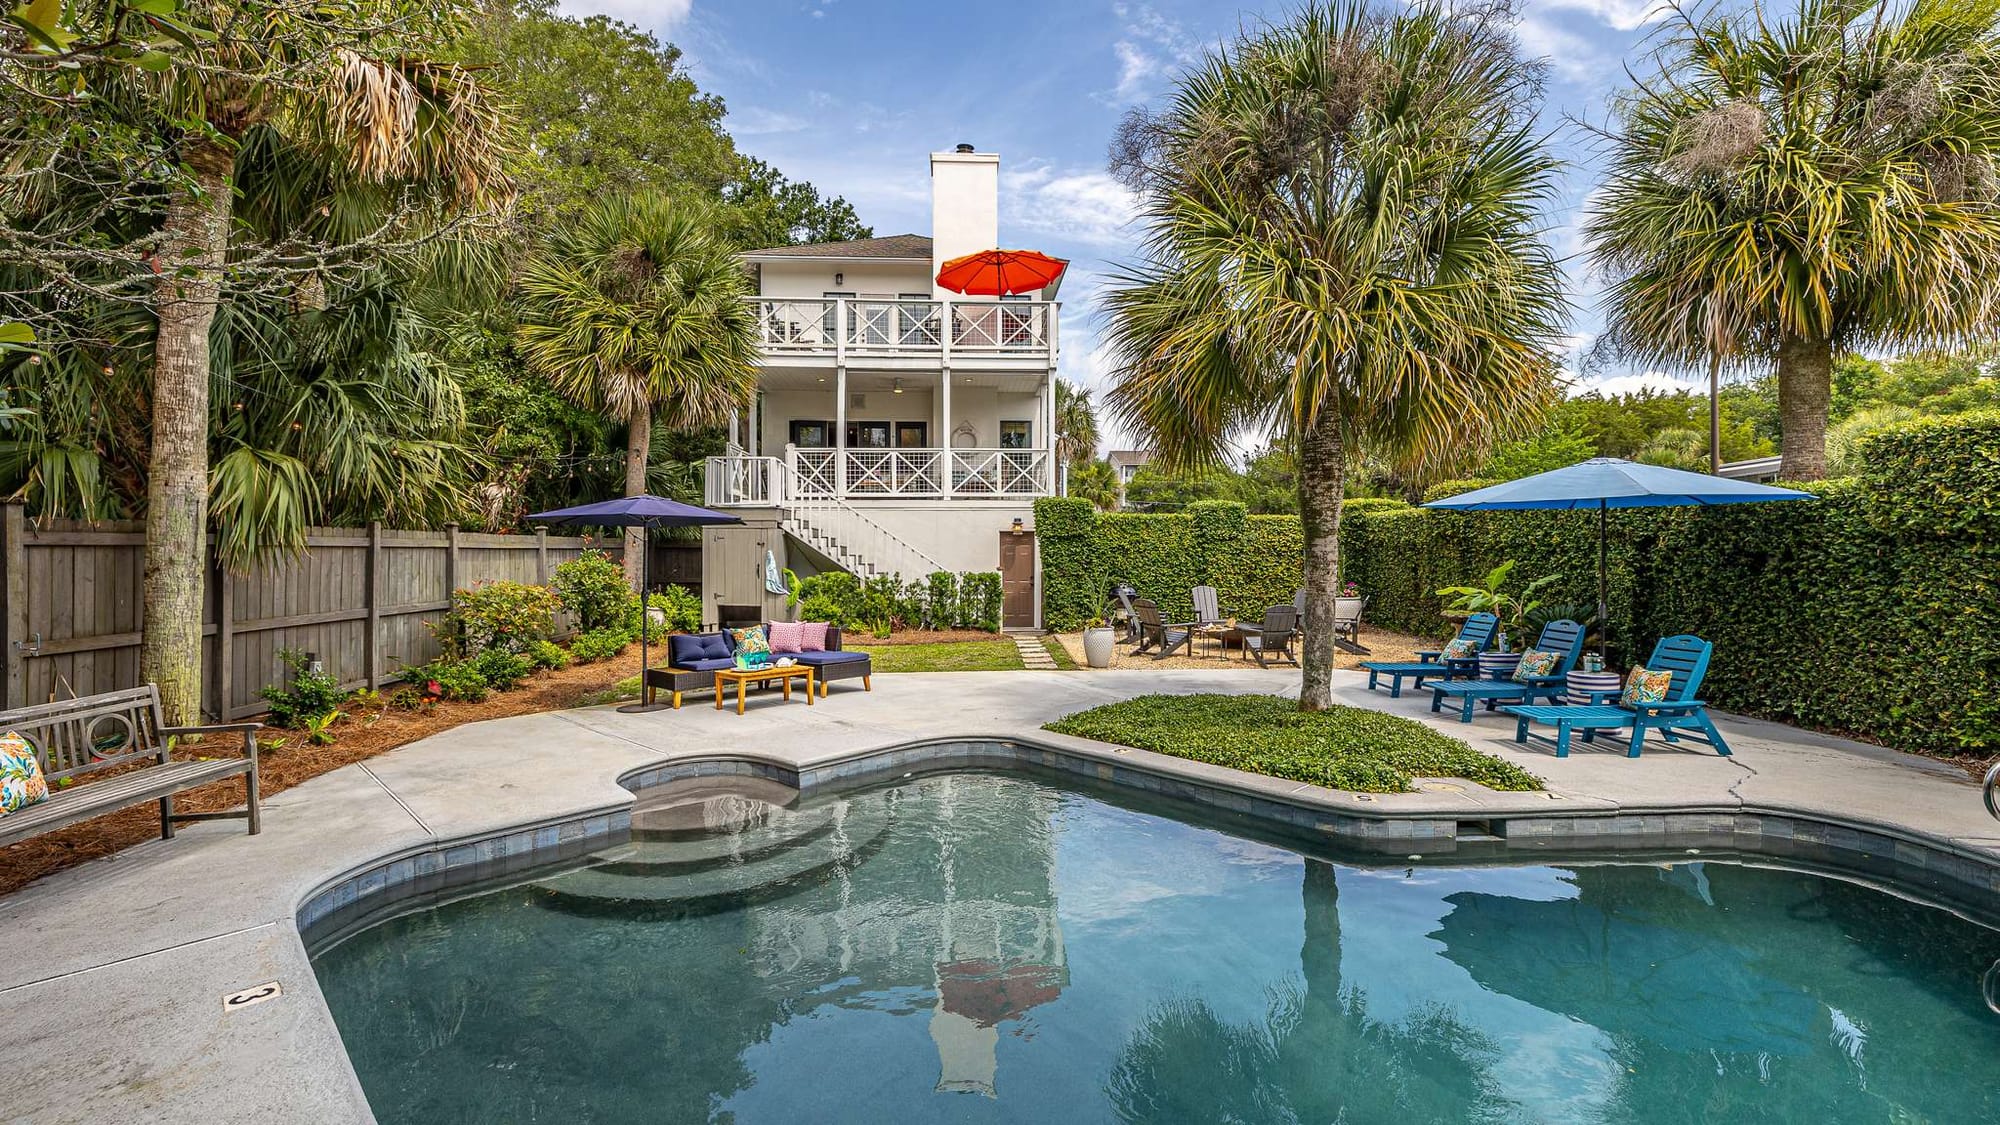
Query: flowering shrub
column 593, row 587
column 508, row 616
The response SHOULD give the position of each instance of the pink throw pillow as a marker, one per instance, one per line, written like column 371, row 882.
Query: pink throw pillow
column 812, row 636
column 787, row 636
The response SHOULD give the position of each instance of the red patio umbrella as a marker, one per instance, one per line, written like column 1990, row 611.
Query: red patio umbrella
column 1001, row 273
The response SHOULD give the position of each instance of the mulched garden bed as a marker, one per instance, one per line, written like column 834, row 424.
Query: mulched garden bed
column 363, row 734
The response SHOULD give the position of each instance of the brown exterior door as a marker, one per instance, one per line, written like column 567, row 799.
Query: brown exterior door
column 1017, row 579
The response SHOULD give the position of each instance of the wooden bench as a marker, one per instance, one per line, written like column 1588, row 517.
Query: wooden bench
column 77, row 737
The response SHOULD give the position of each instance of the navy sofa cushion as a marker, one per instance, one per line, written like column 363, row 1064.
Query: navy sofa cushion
column 708, row 664
column 687, row 650
column 821, row 659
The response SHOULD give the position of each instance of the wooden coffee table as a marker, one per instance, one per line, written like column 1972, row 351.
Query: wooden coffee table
column 744, row 677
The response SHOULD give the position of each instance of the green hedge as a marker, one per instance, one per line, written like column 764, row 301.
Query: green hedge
column 1870, row 611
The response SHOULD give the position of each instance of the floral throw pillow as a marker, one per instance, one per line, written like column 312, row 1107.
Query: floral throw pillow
column 787, row 636
column 1535, row 664
column 812, row 636
column 751, row 639
column 1459, row 648
column 1642, row 686
column 21, row 780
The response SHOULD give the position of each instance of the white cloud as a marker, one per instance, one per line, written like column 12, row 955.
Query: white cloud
column 1148, row 46
column 1135, row 66
column 756, row 121
column 1090, row 206
column 1624, row 15
column 1610, row 385
column 653, row 15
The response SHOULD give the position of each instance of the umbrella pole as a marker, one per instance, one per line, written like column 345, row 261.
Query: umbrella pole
column 645, row 623
column 1603, row 589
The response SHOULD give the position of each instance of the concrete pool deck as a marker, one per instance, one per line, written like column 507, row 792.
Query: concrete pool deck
column 111, row 993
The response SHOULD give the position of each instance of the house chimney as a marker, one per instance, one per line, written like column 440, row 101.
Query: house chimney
column 963, row 147
column 965, row 205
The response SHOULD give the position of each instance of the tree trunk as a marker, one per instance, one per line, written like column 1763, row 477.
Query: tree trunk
column 1805, row 387
column 1322, row 473
column 187, row 292
column 638, row 440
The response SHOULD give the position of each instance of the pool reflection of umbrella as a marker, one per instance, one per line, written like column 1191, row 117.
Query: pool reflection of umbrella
column 1675, row 989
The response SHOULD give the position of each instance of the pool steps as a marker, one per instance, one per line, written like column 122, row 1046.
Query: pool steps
column 760, row 853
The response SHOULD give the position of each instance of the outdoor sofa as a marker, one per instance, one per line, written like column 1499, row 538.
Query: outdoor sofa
column 694, row 658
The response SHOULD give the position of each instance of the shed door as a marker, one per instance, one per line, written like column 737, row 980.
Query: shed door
column 1017, row 579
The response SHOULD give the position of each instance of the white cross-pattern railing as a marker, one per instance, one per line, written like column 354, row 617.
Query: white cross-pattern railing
column 878, row 474
column 906, row 327
column 797, row 326
column 999, row 472
column 737, row 479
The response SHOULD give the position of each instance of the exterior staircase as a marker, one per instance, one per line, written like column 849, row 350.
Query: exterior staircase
column 854, row 542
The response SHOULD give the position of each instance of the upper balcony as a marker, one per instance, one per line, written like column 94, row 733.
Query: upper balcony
column 908, row 332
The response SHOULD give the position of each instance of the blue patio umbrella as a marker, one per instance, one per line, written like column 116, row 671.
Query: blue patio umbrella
column 1604, row 483
column 647, row 511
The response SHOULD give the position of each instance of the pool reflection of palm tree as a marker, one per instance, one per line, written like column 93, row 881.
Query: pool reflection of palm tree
column 1317, row 1055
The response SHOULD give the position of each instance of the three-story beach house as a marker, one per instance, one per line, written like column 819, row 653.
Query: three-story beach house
column 899, row 428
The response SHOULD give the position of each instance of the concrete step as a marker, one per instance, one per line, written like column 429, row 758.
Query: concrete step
column 855, row 829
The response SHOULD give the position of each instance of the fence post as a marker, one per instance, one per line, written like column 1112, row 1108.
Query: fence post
column 225, row 643
column 372, row 575
column 14, row 604
column 450, row 562
column 541, row 556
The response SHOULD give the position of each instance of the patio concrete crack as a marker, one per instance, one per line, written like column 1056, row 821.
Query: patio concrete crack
column 394, row 796
column 136, row 956
column 1735, row 787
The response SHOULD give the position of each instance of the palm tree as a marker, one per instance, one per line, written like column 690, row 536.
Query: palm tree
column 1097, row 482
column 365, row 105
column 1340, row 248
column 637, row 310
column 1076, row 424
column 1792, row 188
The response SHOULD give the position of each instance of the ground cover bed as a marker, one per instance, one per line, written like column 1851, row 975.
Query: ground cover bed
column 1342, row 748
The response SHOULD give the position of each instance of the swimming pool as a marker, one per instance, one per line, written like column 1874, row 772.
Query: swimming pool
column 996, row 947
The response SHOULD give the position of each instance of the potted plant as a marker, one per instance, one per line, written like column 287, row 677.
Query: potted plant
column 1099, row 638
column 1490, row 595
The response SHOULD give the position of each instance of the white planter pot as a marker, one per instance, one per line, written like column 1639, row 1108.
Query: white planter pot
column 1097, row 644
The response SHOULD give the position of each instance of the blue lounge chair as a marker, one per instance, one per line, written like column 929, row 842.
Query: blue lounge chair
column 1564, row 638
column 1680, row 715
column 1478, row 629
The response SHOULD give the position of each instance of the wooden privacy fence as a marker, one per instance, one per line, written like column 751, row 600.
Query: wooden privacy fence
column 358, row 598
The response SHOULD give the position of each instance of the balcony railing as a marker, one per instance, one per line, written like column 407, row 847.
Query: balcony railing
column 880, row 474
column 841, row 326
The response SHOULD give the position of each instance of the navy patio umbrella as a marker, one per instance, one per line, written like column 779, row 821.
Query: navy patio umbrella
column 1604, row 483
column 647, row 511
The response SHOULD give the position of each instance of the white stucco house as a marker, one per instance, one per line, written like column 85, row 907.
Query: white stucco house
column 898, row 427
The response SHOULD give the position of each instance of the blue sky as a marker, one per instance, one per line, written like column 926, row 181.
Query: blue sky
column 852, row 95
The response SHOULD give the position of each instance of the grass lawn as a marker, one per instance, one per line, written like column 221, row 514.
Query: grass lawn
column 1346, row 748
column 945, row 656
column 1059, row 654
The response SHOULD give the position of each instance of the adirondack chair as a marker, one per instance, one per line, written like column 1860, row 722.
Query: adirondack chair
column 1156, row 634
column 1478, row 629
column 1273, row 637
column 1565, row 638
column 1207, row 614
column 1125, row 593
column 1681, row 715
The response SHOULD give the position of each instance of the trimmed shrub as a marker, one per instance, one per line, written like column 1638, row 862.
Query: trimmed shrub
column 940, row 599
column 679, row 611
column 979, row 600
column 599, row 644
column 1445, row 488
column 502, row 670
column 1074, row 587
column 508, row 616
column 547, row 655
column 457, row 680
column 593, row 588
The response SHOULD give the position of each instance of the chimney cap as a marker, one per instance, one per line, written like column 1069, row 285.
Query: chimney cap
column 963, row 147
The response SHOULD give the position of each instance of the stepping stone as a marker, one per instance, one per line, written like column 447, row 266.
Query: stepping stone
column 1034, row 654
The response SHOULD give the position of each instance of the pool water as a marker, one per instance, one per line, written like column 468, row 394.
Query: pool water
column 990, row 947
